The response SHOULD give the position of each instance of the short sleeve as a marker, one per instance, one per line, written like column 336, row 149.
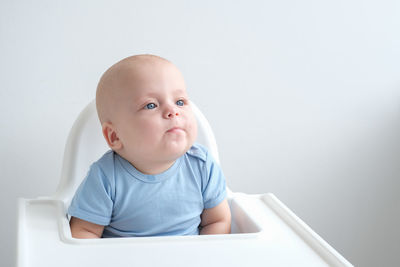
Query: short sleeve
column 214, row 191
column 92, row 201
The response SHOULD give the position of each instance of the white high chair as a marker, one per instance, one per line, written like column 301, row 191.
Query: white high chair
column 264, row 231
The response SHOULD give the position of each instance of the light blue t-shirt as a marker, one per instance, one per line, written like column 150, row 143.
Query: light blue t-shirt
column 129, row 203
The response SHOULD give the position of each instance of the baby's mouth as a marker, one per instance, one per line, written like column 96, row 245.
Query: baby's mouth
column 175, row 130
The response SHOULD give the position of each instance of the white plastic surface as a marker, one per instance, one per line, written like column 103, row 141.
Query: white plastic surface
column 264, row 231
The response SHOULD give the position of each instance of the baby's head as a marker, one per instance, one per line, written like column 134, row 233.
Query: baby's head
column 145, row 112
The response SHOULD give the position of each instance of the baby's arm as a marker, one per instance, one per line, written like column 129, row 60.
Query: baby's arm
column 216, row 220
column 85, row 229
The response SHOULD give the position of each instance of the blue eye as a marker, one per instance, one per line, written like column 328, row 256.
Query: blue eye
column 150, row 106
column 180, row 102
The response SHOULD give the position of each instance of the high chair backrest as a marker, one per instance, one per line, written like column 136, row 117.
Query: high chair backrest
column 86, row 144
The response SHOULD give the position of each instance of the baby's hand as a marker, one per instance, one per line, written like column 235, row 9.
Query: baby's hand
column 216, row 220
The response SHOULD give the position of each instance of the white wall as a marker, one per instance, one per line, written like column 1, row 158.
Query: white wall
column 304, row 98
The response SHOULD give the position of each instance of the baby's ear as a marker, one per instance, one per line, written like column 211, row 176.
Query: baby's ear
column 111, row 136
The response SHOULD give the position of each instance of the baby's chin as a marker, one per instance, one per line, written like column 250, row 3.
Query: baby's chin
column 175, row 149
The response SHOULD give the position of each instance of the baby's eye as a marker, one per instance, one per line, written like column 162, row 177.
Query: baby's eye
column 180, row 103
column 150, row 106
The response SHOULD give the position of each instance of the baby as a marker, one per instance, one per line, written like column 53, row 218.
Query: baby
column 155, row 181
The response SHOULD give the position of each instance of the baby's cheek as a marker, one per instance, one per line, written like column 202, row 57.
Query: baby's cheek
column 145, row 136
column 193, row 129
column 150, row 127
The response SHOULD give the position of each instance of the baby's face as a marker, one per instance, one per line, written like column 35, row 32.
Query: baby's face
column 154, row 119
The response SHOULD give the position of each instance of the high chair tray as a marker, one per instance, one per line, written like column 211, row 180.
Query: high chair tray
column 264, row 233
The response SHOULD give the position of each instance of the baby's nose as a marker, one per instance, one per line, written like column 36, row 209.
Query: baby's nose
column 171, row 113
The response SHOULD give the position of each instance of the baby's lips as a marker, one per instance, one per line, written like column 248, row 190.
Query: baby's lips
column 174, row 129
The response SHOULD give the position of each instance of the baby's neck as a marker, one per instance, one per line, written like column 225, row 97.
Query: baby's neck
column 152, row 168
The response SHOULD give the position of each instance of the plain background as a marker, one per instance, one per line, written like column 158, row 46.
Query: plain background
column 303, row 96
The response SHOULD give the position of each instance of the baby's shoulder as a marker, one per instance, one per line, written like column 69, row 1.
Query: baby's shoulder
column 101, row 174
column 106, row 159
column 106, row 163
column 198, row 151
